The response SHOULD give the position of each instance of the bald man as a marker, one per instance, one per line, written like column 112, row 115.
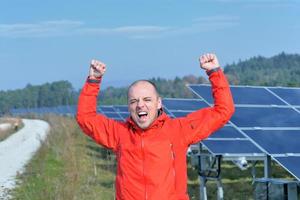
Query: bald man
column 151, row 147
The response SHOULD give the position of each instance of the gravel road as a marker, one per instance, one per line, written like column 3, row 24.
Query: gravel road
column 17, row 150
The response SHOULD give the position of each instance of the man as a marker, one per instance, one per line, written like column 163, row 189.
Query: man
column 151, row 147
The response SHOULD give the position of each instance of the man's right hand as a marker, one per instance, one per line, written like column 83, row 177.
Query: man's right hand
column 97, row 69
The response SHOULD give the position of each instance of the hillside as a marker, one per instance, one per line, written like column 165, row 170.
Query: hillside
column 280, row 70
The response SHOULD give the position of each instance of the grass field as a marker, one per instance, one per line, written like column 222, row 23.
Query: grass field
column 69, row 165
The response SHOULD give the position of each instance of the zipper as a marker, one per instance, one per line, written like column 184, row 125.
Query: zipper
column 143, row 153
column 173, row 159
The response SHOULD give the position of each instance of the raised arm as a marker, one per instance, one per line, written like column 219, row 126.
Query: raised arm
column 205, row 121
column 97, row 126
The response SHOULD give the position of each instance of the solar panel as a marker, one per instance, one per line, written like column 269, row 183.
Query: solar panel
column 265, row 117
column 227, row 132
column 106, row 108
column 241, row 95
column 223, row 147
column 290, row 95
column 268, row 117
column 73, row 109
column 276, row 141
column 121, row 108
column 124, row 115
column 291, row 164
column 112, row 115
column 181, row 107
column 168, row 113
column 177, row 114
column 183, row 104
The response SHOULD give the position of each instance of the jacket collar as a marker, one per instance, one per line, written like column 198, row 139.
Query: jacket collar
column 157, row 123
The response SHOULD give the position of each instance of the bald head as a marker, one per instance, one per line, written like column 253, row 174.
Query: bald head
column 143, row 82
column 143, row 103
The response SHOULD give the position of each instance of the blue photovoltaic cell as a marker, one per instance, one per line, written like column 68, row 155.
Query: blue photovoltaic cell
column 99, row 111
column 73, row 109
column 106, row 108
column 220, row 147
column 204, row 91
column 290, row 95
column 45, row 110
column 112, row 115
column 180, row 113
column 119, row 119
column 291, row 163
column 124, row 115
column 241, row 95
column 276, row 141
column 168, row 113
column 184, row 104
column 265, row 117
column 227, row 132
column 58, row 110
column 121, row 108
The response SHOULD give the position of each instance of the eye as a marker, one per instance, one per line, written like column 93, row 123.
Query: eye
column 132, row 101
column 147, row 99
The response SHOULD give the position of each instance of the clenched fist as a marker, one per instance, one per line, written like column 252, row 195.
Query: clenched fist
column 97, row 69
column 208, row 61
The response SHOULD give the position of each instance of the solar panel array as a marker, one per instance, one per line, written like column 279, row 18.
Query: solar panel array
column 117, row 112
column 61, row 110
column 268, row 117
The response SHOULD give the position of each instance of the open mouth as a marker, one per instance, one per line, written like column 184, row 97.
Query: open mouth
column 142, row 115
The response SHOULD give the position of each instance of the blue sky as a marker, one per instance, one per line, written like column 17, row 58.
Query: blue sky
column 46, row 41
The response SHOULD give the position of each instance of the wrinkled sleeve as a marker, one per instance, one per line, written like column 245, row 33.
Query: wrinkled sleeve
column 200, row 124
column 97, row 126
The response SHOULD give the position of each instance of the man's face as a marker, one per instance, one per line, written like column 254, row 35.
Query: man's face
column 143, row 104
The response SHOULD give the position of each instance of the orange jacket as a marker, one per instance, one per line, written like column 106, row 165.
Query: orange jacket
column 152, row 162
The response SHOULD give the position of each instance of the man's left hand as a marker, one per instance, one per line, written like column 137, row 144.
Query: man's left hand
column 208, row 61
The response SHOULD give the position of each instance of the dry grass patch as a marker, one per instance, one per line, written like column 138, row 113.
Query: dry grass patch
column 8, row 126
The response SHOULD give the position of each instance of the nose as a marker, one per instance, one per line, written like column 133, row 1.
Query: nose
column 140, row 103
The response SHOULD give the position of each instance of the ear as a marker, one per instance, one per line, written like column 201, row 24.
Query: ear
column 159, row 103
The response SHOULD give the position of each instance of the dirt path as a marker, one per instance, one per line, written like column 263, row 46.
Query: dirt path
column 17, row 150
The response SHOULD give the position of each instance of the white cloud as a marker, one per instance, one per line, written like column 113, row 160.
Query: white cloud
column 217, row 22
column 263, row 3
column 68, row 27
column 42, row 29
column 129, row 31
column 218, row 18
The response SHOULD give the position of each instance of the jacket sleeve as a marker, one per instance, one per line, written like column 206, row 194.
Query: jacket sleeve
column 97, row 126
column 200, row 124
